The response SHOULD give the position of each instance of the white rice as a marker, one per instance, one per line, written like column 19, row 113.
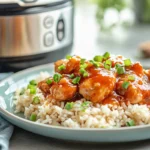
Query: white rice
column 94, row 116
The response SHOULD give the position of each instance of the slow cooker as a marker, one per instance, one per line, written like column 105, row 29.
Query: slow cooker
column 34, row 32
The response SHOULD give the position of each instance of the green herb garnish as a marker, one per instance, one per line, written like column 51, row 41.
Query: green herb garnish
column 72, row 76
column 76, row 80
column 49, row 81
column 98, row 58
column 83, row 66
column 125, row 84
column 68, row 57
column 85, row 105
column 120, row 70
column 108, row 64
column 33, row 82
column 69, row 105
column 32, row 89
column 127, row 62
column 30, row 86
column 85, row 74
column 131, row 77
column 57, row 77
column 36, row 100
column 96, row 64
column 118, row 65
column 82, row 70
column 106, row 55
column 61, row 67
column 82, row 61
column 33, row 117
column 131, row 123
column 22, row 91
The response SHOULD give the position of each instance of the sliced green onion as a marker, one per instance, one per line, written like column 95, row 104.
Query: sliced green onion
column 127, row 62
column 98, row 58
column 61, row 67
column 131, row 78
column 82, row 61
column 69, row 105
column 33, row 82
column 125, row 84
column 85, row 105
column 76, row 80
column 107, row 64
column 68, row 57
column 49, row 81
column 36, row 100
column 33, row 91
column 131, row 123
column 85, row 74
column 83, row 66
column 96, row 64
column 120, row 70
column 82, row 70
column 72, row 76
column 22, row 91
column 103, row 126
column 117, row 65
column 30, row 86
column 57, row 77
column 33, row 117
column 106, row 55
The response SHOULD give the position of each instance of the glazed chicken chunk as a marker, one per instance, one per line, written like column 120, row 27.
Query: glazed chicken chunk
column 61, row 91
column 71, row 66
column 138, row 85
column 98, row 85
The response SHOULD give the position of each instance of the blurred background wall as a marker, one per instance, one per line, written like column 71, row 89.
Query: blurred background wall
column 118, row 26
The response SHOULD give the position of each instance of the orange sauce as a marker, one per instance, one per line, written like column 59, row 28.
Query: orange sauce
column 113, row 99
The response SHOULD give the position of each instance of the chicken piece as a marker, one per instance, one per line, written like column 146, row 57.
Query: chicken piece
column 59, row 63
column 138, row 89
column 137, row 69
column 44, row 87
column 133, row 94
column 71, row 66
column 61, row 91
column 98, row 85
column 64, row 90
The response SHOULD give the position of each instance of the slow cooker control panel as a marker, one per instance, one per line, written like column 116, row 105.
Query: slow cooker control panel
column 60, row 29
column 48, row 22
column 56, row 29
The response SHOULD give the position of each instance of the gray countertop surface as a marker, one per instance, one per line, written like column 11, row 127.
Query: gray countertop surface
column 88, row 42
column 24, row 140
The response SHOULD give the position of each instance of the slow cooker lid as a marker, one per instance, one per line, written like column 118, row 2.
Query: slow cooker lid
column 27, row 3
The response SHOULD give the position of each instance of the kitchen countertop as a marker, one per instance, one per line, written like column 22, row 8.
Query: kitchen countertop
column 24, row 140
column 89, row 42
